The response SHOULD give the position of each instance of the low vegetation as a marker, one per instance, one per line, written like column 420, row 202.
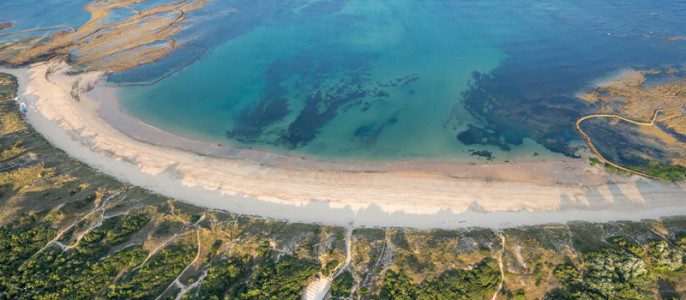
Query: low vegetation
column 223, row 276
column 342, row 285
column 282, row 279
column 608, row 274
column 479, row 283
column 669, row 172
column 8, row 86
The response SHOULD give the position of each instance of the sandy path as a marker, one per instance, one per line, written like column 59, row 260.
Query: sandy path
column 500, row 264
column 348, row 257
column 421, row 195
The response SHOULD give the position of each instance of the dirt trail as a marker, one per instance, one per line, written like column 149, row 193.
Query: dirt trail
column 169, row 241
column 176, row 281
column 317, row 290
column 100, row 208
column 348, row 257
column 500, row 263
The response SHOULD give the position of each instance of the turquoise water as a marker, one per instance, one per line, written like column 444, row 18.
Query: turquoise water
column 368, row 46
column 390, row 80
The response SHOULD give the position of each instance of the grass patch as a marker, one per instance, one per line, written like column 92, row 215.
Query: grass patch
column 8, row 86
column 669, row 172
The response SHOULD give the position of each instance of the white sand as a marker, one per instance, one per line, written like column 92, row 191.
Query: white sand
column 418, row 195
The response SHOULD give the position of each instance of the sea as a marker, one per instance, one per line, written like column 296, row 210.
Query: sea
column 373, row 80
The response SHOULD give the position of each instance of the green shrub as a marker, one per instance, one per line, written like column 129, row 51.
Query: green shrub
column 341, row 286
column 478, row 283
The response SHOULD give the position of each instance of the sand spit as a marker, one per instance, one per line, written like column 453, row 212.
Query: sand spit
column 420, row 195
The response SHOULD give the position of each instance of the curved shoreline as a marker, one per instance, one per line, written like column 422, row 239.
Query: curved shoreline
column 108, row 109
column 420, row 195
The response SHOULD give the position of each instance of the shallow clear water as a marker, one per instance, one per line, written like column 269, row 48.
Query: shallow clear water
column 397, row 80
column 389, row 76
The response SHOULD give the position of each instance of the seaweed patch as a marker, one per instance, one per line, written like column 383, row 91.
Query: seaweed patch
column 512, row 116
column 483, row 153
column 308, row 90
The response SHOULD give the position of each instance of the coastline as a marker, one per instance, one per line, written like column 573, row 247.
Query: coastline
column 419, row 195
column 109, row 110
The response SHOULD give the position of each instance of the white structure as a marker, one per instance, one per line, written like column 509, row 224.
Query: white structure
column 317, row 289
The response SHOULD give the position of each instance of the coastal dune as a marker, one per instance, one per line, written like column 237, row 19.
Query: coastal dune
column 78, row 115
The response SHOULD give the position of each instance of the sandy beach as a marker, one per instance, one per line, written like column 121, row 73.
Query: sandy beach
column 419, row 195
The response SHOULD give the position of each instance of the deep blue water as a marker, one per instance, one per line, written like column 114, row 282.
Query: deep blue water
column 396, row 80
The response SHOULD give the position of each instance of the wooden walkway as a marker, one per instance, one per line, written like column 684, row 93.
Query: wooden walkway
column 600, row 156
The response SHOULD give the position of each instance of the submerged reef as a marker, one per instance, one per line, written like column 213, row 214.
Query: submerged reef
column 306, row 91
column 488, row 155
column 325, row 79
column 476, row 135
column 509, row 115
column 368, row 133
